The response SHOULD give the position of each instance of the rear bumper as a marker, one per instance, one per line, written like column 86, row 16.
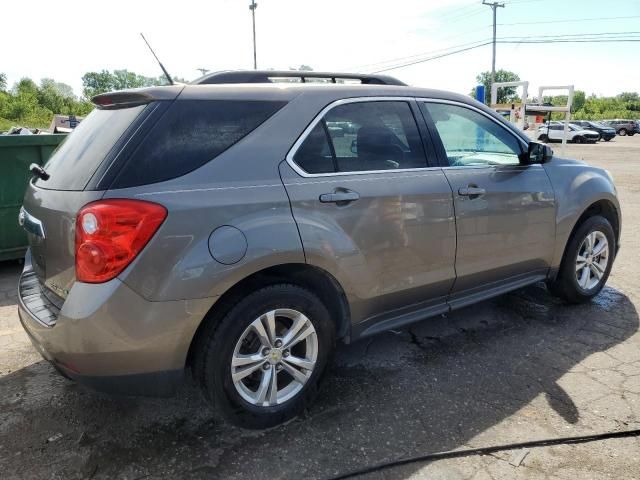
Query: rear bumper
column 110, row 338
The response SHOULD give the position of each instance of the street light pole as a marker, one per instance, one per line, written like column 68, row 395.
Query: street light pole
column 253, row 7
column 494, row 6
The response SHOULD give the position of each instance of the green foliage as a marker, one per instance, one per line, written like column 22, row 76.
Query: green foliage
column 3, row 82
column 95, row 83
column 31, row 105
column 505, row 94
column 625, row 105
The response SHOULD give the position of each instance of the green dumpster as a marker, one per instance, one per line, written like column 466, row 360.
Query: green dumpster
column 17, row 152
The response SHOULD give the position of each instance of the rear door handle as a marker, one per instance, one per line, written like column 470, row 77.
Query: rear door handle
column 339, row 197
column 471, row 191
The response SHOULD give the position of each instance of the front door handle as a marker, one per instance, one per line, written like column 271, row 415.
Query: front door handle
column 340, row 197
column 471, row 191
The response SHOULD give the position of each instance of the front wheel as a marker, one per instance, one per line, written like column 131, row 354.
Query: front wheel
column 622, row 132
column 543, row 138
column 587, row 261
column 263, row 363
column 578, row 140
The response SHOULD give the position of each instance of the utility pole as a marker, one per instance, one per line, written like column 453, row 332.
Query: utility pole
column 494, row 6
column 203, row 71
column 253, row 7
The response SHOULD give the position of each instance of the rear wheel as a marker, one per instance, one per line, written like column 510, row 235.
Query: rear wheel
column 263, row 363
column 587, row 261
column 578, row 140
column 543, row 138
column 622, row 132
column 607, row 139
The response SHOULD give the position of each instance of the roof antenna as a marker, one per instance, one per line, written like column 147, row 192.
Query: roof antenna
column 164, row 70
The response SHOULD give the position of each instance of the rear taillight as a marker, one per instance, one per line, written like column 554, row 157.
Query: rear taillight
column 109, row 235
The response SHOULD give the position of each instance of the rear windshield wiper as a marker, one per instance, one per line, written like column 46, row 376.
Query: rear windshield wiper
column 38, row 171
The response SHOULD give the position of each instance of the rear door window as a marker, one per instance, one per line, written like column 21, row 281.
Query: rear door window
column 190, row 134
column 363, row 136
column 81, row 153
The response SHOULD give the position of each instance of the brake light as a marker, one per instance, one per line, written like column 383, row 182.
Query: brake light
column 111, row 233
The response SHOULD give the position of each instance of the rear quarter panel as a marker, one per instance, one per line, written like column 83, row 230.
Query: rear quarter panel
column 239, row 188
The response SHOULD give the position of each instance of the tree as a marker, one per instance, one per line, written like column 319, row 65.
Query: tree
column 579, row 99
column 3, row 82
column 505, row 94
column 95, row 83
column 629, row 97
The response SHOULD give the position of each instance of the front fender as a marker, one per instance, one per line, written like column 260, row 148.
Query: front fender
column 577, row 186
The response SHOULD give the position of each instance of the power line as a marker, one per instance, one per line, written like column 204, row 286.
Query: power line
column 575, row 20
column 417, row 55
column 532, row 40
column 563, row 35
column 604, row 40
column 432, row 58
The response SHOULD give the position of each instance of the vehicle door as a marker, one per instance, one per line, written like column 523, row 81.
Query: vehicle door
column 505, row 210
column 369, row 207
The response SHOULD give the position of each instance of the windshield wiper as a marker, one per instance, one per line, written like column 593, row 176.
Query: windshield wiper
column 38, row 171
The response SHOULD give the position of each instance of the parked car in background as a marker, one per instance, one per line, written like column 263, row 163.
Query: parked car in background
column 606, row 132
column 554, row 131
column 623, row 127
column 228, row 232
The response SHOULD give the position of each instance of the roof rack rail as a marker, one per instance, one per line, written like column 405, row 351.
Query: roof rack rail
column 272, row 76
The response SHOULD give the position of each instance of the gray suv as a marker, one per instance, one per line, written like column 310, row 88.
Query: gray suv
column 623, row 127
column 239, row 231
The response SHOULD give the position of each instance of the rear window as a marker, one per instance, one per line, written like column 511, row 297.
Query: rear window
column 190, row 134
column 79, row 155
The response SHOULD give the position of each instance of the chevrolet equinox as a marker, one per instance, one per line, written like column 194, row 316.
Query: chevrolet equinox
column 238, row 231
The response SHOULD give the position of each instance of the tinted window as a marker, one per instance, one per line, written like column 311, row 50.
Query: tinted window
column 79, row 155
column 314, row 155
column 375, row 136
column 188, row 135
column 470, row 138
column 363, row 136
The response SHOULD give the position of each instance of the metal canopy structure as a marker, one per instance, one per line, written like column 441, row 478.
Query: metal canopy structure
column 521, row 110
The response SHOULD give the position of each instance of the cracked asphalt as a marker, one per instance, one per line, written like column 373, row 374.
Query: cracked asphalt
column 517, row 368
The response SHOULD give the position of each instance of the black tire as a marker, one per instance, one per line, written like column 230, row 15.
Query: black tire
column 566, row 283
column 622, row 132
column 578, row 139
column 543, row 138
column 217, row 348
column 607, row 139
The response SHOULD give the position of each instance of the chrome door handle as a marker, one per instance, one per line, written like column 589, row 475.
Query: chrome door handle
column 339, row 197
column 471, row 191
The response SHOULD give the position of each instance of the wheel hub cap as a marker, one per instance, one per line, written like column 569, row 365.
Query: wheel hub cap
column 275, row 356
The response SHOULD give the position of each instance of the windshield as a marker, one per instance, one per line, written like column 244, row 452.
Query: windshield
column 81, row 153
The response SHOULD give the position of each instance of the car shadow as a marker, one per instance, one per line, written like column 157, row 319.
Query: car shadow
column 433, row 387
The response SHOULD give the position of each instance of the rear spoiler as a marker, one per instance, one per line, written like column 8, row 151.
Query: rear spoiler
column 134, row 97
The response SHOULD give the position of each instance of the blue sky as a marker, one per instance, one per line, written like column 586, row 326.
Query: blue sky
column 65, row 40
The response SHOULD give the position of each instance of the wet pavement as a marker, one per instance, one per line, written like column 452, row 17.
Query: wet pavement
column 521, row 367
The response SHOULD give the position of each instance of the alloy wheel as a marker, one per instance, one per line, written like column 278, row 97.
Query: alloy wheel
column 592, row 260
column 274, row 357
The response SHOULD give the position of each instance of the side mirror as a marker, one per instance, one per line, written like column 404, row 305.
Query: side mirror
column 537, row 153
